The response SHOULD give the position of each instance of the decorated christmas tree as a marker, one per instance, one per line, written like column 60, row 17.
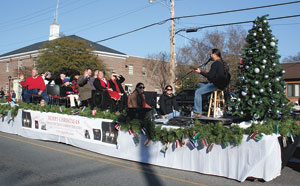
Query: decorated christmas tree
column 260, row 88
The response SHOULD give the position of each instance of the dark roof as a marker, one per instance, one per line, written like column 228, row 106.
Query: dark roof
column 37, row 46
column 292, row 70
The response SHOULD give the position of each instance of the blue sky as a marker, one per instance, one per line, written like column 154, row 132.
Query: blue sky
column 26, row 22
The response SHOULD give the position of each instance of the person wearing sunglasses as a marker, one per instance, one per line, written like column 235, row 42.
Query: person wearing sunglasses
column 168, row 104
column 137, row 98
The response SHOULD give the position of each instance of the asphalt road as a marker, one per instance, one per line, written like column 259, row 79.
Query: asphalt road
column 28, row 162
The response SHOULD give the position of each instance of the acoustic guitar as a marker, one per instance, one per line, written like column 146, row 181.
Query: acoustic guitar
column 195, row 68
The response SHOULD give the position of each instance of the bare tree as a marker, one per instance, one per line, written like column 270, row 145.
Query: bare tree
column 295, row 58
column 197, row 52
column 158, row 70
column 25, row 70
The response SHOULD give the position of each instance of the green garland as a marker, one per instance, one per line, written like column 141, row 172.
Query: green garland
column 5, row 108
column 213, row 132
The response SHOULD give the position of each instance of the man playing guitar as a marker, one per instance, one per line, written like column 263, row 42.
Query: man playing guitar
column 217, row 78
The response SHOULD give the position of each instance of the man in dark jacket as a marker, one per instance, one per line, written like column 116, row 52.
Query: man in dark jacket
column 217, row 78
column 85, row 88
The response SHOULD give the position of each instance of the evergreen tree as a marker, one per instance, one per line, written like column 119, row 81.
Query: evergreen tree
column 260, row 88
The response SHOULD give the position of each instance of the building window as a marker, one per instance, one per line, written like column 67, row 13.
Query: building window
column 130, row 68
column 293, row 89
column 6, row 87
column 7, row 66
column 128, row 88
column 143, row 71
column 20, row 64
column 111, row 70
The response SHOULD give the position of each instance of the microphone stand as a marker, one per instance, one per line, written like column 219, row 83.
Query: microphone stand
column 183, row 77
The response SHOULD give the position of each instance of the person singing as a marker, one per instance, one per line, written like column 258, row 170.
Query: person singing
column 217, row 77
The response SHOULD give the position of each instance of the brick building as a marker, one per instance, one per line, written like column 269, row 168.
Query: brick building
column 134, row 69
column 292, row 80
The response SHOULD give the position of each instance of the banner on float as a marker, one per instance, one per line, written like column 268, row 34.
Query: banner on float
column 70, row 126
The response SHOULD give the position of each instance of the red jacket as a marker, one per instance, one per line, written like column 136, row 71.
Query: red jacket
column 34, row 83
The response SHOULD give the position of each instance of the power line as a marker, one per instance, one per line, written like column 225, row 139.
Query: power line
column 47, row 18
column 235, row 23
column 33, row 15
column 237, row 10
column 197, row 15
column 111, row 18
column 135, row 30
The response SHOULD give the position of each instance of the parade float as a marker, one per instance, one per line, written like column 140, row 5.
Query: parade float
column 251, row 147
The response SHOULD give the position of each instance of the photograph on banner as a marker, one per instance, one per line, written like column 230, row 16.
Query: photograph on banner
column 97, row 134
column 76, row 127
column 109, row 133
column 26, row 119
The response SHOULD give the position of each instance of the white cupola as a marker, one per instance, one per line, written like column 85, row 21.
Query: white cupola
column 54, row 31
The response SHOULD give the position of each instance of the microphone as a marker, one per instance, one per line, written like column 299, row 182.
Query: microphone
column 209, row 59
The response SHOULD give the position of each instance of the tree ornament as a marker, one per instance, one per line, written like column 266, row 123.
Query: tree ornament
column 255, row 41
column 261, row 90
column 253, row 96
column 239, row 99
column 273, row 57
column 277, row 79
column 263, row 66
column 260, row 29
column 256, row 50
column 266, row 76
column 270, row 90
column 254, row 33
column 273, row 38
column 246, row 67
column 263, row 35
column 255, row 116
column 250, row 62
column 283, row 71
column 256, row 70
column 256, row 82
column 242, row 112
column 254, row 25
column 273, row 101
column 250, row 51
column 260, row 101
column 264, row 61
column 273, row 44
column 265, row 40
column 242, row 77
column 265, row 21
column 264, row 47
column 244, row 93
column 274, row 64
column 282, row 104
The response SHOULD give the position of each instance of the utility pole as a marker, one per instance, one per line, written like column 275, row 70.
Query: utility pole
column 172, row 45
column 172, row 41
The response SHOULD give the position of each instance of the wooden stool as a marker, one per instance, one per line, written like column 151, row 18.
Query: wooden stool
column 217, row 97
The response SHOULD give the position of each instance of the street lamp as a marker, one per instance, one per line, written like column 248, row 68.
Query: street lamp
column 9, row 79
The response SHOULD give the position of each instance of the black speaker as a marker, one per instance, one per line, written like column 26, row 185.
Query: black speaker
column 151, row 98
